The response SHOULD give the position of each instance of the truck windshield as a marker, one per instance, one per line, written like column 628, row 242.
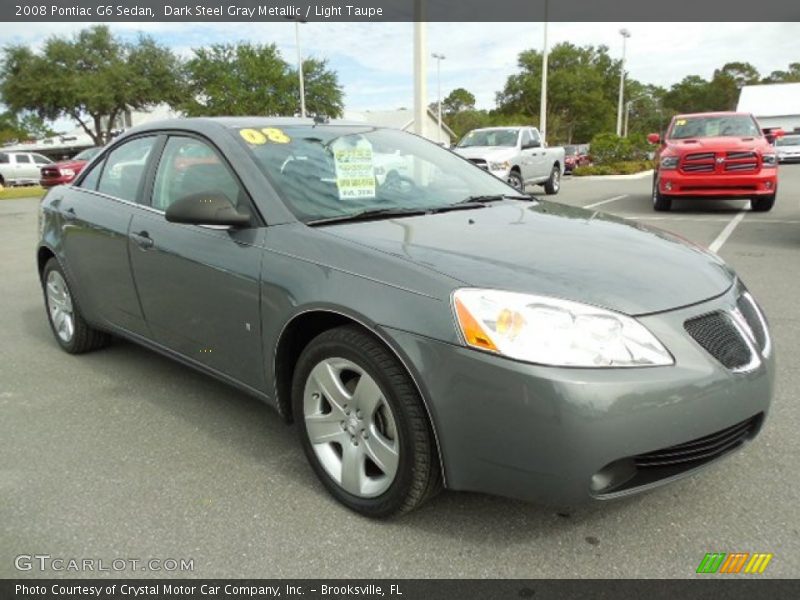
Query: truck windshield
column 332, row 171
column 714, row 126
column 490, row 137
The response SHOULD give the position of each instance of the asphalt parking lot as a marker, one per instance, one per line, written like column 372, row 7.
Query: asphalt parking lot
column 124, row 454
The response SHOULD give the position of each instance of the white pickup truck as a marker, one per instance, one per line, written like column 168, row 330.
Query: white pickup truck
column 515, row 154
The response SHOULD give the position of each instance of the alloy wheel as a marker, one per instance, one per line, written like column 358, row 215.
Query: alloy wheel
column 59, row 303
column 351, row 427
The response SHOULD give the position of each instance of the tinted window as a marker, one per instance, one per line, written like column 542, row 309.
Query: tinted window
column 124, row 170
column 89, row 181
column 41, row 160
column 23, row 159
column 527, row 138
column 189, row 166
column 3, row 158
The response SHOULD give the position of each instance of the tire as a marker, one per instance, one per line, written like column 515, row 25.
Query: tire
column 69, row 327
column 661, row 202
column 553, row 184
column 762, row 204
column 389, row 424
column 515, row 179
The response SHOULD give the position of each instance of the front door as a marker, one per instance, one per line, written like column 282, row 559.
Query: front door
column 199, row 286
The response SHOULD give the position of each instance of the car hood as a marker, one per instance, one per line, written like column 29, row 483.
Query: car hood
column 497, row 153
column 554, row 250
column 715, row 144
column 70, row 164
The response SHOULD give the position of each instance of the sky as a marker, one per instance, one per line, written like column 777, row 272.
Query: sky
column 374, row 60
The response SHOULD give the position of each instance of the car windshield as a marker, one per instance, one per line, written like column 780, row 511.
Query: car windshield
column 335, row 171
column 570, row 150
column 490, row 137
column 87, row 154
column 714, row 126
column 788, row 140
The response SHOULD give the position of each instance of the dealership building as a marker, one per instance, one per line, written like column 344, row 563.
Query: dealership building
column 773, row 104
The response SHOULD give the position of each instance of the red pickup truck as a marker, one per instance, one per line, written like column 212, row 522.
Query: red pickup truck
column 715, row 155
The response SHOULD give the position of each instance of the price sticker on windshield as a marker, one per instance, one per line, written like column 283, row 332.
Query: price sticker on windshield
column 355, row 168
column 259, row 137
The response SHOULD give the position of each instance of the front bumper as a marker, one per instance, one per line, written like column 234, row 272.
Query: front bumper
column 675, row 183
column 54, row 181
column 541, row 433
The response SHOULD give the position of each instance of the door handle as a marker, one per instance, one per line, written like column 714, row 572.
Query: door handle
column 143, row 240
column 69, row 214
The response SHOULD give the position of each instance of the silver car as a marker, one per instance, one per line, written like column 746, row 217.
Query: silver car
column 788, row 148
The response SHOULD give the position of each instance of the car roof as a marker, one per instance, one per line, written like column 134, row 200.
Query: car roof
column 206, row 123
column 721, row 113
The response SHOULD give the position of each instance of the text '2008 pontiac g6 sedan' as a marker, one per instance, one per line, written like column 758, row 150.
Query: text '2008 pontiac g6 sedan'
column 422, row 322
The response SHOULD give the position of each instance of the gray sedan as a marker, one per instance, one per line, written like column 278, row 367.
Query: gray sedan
column 422, row 323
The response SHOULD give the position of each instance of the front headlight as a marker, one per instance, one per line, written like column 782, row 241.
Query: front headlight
column 499, row 166
column 668, row 162
column 67, row 172
column 769, row 160
column 555, row 332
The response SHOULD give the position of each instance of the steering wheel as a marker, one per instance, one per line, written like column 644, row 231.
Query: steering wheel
column 400, row 184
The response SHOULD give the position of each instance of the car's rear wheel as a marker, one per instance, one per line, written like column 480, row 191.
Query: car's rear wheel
column 762, row 204
column 515, row 179
column 660, row 201
column 553, row 184
column 363, row 425
column 70, row 329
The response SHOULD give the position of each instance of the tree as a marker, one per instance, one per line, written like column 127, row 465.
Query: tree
column 458, row 100
column 92, row 78
column 582, row 91
column 15, row 128
column 253, row 79
column 790, row 76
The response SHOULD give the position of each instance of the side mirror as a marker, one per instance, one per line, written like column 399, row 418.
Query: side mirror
column 654, row 138
column 206, row 208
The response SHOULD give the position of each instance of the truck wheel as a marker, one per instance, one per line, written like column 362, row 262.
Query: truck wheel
column 552, row 185
column 515, row 179
column 660, row 201
column 763, row 204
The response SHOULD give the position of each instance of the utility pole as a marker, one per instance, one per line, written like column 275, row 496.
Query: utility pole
column 625, row 35
column 300, row 70
column 439, row 58
column 420, row 71
column 543, row 98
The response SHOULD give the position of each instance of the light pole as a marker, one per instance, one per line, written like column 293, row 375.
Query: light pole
column 439, row 58
column 625, row 35
column 543, row 97
column 300, row 70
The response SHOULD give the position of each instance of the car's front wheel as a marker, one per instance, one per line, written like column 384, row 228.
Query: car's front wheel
column 660, row 201
column 363, row 425
column 70, row 329
column 515, row 179
column 762, row 204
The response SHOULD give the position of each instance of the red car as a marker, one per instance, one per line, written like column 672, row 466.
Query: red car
column 65, row 171
column 575, row 156
column 715, row 155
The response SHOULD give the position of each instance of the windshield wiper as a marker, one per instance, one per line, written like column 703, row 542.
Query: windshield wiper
column 369, row 214
column 492, row 198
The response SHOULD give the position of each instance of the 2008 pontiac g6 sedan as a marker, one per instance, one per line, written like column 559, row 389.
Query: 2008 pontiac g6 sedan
column 421, row 322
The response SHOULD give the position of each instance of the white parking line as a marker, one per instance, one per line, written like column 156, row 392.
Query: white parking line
column 606, row 201
column 726, row 233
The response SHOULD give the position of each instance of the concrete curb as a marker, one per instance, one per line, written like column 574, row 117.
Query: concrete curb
column 640, row 175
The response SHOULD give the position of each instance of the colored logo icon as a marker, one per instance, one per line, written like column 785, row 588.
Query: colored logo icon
column 736, row 562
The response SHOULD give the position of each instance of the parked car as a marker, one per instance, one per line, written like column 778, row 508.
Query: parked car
column 65, row 171
column 21, row 168
column 788, row 148
column 715, row 155
column 435, row 329
column 575, row 156
column 516, row 155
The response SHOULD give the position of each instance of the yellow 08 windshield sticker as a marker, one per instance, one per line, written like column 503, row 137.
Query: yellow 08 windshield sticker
column 259, row 137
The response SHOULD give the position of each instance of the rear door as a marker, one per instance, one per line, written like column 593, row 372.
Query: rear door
column 96, row 215
column 26, row 170
column 199, row 286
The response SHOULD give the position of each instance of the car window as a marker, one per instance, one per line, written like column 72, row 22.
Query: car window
column 3, row 158
column 41, row 160
column 23, row 159
column 189, row 166
column 89, row 180
column 124, row 170
column 535, row 136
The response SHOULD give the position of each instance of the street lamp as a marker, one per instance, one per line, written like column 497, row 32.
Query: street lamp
column 299, row 64
column 439, row 58
column 625, row 35
column 543, row 96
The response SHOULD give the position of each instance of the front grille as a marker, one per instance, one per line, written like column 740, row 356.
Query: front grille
column 700, row 156
column 479, row 162
column 704, row 168
column 50, row 172
column 717, row 334
column 701, row 450
column 741, row 155
column 699, row 162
